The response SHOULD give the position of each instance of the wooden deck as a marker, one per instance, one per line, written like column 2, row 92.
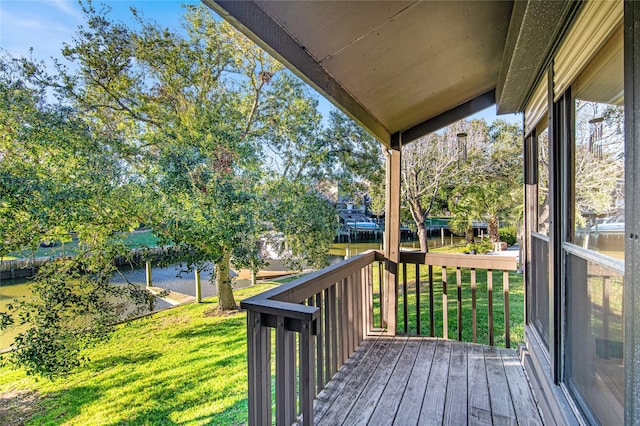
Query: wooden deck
column 417, row 380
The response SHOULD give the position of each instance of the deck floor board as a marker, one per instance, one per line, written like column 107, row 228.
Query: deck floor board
column 430, row 381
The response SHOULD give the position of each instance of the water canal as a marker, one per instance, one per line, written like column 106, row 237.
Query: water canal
column 175, row 279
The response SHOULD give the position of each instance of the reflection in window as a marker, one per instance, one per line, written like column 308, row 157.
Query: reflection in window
column 595, row 351
column 599, row 152
column 543, row 181
column 599, row 177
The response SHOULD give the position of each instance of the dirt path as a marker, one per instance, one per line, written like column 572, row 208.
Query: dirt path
column 18, row 406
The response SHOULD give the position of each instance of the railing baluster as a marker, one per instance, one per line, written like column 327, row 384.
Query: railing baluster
column 459, row 284
column 474, row 323
column 351, row 313
column 380, row 298
column 606, row 313
column 285, row 374
column 307, row 385
column 432, row 323
column 418, row 323
column 404, row 297
column 327, row 336
column 370, row 298
column 505, row 290
column 334, row 327
column 359, row 309
column 319, row 344
column 445, row 305
column 490, row 304
column 363, row 301
column 344, row 324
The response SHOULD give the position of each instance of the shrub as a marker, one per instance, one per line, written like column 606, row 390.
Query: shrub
column 481, row 247
column 508, row 234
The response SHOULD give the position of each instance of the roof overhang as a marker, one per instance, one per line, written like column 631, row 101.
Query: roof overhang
column 403, row 69
column 534, row 32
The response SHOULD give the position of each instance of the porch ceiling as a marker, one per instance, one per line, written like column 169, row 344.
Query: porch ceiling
column 394, row 66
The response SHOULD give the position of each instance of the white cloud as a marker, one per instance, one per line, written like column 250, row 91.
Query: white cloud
column 43, row 25
column 68, row 7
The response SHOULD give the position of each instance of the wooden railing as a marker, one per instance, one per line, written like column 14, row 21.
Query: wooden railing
column 320, row 319
column 458, row 262
column 326, row 315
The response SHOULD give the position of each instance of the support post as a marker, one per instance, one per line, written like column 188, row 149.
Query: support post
column 198, row 286
column 254, row 275
column 530, row 213
column 259, row 365
column 148, row 273
column 392, row 239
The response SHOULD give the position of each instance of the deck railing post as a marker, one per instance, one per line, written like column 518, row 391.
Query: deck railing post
column 259, row 360
column 285, row 374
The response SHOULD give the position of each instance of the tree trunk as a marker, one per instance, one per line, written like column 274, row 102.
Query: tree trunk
column 543, row 218
column 418, row 217
column 422, row 236
column 226, row 301
column 468, row 234
column 494, row 235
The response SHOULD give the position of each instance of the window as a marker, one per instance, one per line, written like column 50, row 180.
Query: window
column 594, row 361
column 543, row 179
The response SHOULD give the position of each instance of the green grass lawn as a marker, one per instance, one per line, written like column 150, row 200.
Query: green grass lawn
column 516, row 304
column 179, row 366
column 187, row 366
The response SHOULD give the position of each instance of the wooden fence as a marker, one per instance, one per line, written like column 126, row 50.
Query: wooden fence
column 25, row 268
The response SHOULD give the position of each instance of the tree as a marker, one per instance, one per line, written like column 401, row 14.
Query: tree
column 195, row 110
column 434, row 163
column 490, row 189
column 354, row 159
column 306, row 221
column 59, row 177
column 599, row 160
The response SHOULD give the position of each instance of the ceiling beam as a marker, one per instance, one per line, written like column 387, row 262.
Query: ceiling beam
column 255, row 23
column 464, row 110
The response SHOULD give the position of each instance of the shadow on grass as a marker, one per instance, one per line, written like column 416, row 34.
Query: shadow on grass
column 111, row 361
column 156, row 416
column 227, row 417
column 192, row 371
column 227, row 327
column 64, row 405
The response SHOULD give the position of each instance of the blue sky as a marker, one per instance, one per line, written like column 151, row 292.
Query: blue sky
column 45, row 25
